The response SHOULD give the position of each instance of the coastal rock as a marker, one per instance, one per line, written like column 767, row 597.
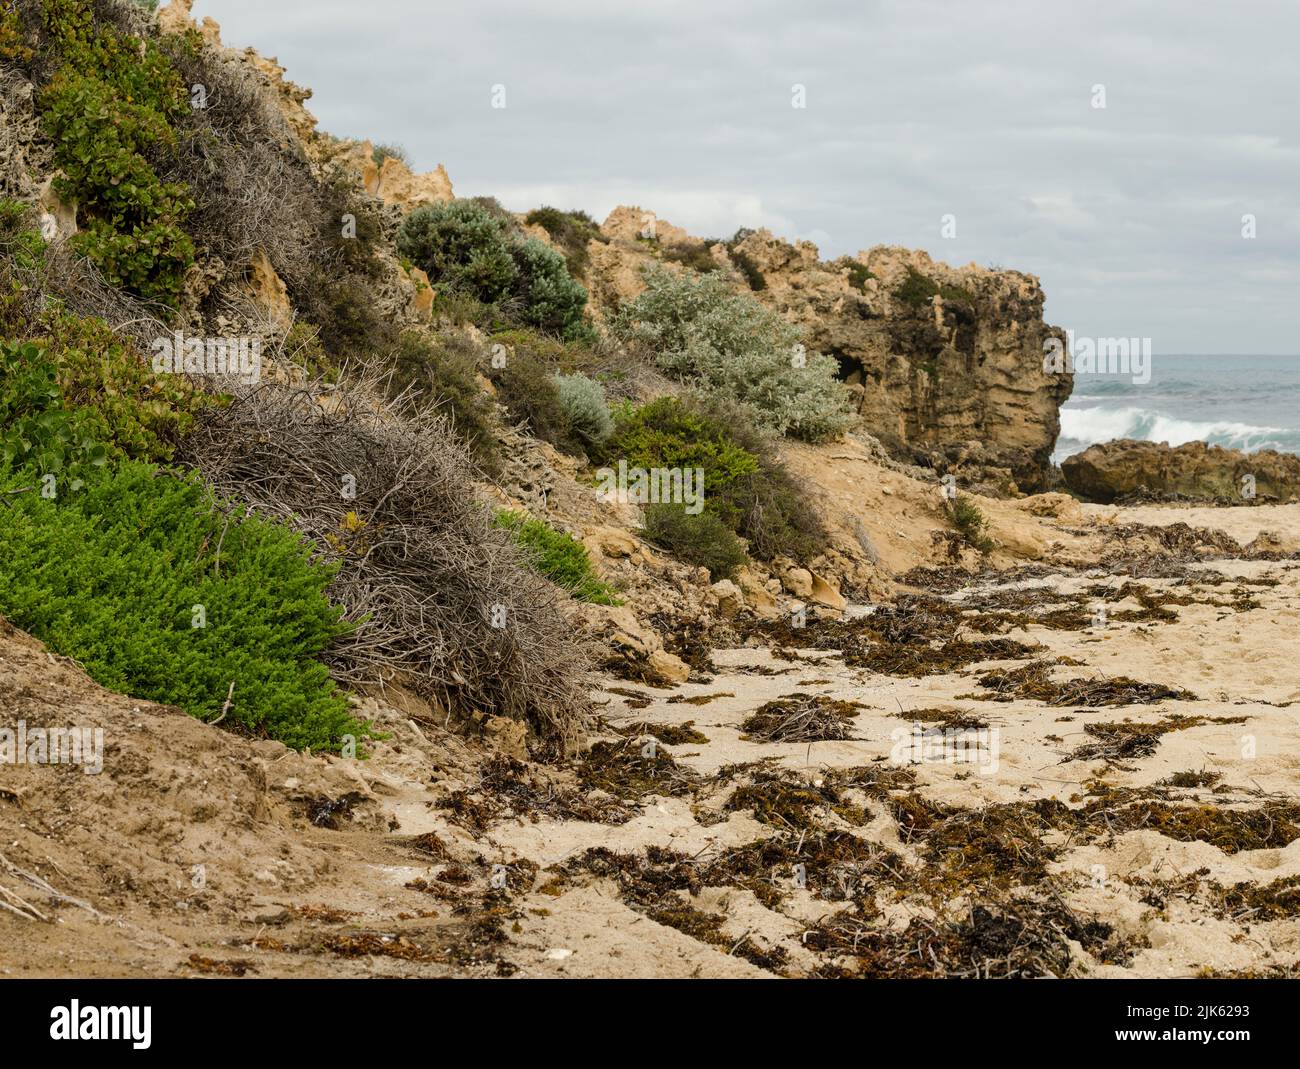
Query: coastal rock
column 945, row 364
column 1130, row 469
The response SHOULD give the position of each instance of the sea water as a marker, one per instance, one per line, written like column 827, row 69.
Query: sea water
column 1240, row 402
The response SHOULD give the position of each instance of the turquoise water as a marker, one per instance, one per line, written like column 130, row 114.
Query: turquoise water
column 1241, row 402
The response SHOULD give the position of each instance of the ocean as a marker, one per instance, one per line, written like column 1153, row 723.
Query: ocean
column 1240, row 402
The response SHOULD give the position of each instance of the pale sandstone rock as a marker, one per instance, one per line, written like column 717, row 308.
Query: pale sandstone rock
column 825, row 594
column 268, row 291
column 730, row 599
column 798, row 581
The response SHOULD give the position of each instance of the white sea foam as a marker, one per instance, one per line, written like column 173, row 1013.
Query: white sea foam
column 1082, row 427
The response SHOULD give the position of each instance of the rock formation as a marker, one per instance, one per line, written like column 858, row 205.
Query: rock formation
column 1132, row 469
column 946, row 364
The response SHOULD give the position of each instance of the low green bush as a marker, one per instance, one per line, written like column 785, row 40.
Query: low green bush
column 745, row 484
column 559, row 557
column 118, row 575
column 703, row 539
column 971, row 523
column 476, row 249
column 571, row 231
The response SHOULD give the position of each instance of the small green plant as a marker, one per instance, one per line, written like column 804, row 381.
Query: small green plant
column 918, row 289
column 702, row 539
column 745, row 484
column 859, row 273
column 559, row 557
column 971, row 523
column 697, row 257
column 382, row 152
column 162, row 594
column 583, row 401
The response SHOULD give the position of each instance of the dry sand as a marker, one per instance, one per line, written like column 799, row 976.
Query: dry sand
column 197, row 852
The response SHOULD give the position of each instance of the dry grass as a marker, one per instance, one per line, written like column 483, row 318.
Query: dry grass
column 422, row 570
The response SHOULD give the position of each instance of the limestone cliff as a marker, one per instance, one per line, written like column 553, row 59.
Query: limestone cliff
column 946, row 364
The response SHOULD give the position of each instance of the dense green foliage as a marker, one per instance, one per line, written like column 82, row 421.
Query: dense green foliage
column 918, row 289
column 559, row 557
column 119, row 574
column 472, row 248
column 110, row 108
column 746, row 486
column 703, row 539
column 728, row 344
column 971, row 523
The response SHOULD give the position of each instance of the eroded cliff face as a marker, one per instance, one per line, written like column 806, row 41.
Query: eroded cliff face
column 945, row 364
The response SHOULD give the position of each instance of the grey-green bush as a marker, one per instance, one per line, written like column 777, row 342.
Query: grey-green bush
column 727, row 343
column 583, row 401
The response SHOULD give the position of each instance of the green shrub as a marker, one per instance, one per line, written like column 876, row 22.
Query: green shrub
column 382, row 152
column 971, row 523
column 748, row 269
column 527, row 388
column 112, row 575
column 468, row 246
column 559, row 557
column 549, row 297
column 463, row 245
column 858, row 274
column 571, row 231
column 703, row 539
column 583, row 401
column 690, row 254
column 745, row 484
column 730, row 345
column 110, row 108
column 918, row 289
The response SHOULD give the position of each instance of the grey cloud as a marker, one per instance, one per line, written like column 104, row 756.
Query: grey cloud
column 1130, row 215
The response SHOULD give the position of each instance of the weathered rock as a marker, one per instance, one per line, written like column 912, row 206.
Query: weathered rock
column 826, row 595
column 757, row 597
column 945, row 364
column 798, row 581
column 730, row 599
column 1130, row 469
column 268, row 292
column 637, row 646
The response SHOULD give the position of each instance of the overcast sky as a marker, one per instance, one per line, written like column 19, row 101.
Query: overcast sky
column 983, row 109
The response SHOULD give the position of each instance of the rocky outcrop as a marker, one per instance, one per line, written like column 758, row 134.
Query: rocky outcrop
column 1132, row 470
column 945, row 364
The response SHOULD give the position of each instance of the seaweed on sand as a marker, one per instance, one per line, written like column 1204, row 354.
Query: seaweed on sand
column 1034, row 681
column 802, row 717
column 628, row 770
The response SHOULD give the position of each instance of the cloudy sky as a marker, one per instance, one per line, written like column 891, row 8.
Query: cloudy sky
column 1130, row 214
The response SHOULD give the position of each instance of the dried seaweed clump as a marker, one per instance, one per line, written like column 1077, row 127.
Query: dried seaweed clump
column 442, row 600
column 1034, row 681
column 802, row 718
